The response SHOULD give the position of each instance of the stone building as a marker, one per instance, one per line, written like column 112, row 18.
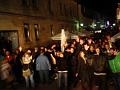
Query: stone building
column 118, row 15
column 30, row 23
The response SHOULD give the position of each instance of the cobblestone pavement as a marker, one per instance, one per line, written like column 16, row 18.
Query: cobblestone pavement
column 51, row 86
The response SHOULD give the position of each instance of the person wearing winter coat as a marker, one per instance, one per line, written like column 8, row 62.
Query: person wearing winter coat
column 43, row 66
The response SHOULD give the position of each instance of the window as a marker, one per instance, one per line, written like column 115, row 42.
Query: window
column 35, row 3
column 65, row 10
column 26, row 32
column 36, row 30
column 50, row 7
column 70, row 11
column 61, row 9
column 26, row 3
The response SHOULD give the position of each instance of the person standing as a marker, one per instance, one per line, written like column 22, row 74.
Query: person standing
column 100, row 69
column 83, row 72
column 114, row 65
column 27, row 69
column 43, row 66
column 62, row 71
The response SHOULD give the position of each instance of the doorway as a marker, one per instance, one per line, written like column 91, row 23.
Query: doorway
column 9, row 40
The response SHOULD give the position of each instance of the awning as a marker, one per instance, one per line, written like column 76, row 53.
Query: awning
column 67, row 34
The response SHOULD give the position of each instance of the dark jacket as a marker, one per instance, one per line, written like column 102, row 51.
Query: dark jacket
column 61, row 64
column 83, row 70
column 100, row 63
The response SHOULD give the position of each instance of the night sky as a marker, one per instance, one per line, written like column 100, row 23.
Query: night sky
column 104, row 7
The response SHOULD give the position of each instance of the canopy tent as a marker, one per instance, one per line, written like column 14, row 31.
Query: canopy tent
column 115, row 37
column 67, row 34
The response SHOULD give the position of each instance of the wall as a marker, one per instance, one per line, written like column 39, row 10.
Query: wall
column 48, row 14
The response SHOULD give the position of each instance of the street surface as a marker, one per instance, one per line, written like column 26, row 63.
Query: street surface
column 51, row 86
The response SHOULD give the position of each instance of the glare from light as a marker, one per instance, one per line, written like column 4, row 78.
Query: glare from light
column 77, row 25
column 101, row 26
column 94, row 25
column 82, row 24
column 114, row 24
column 108, row 23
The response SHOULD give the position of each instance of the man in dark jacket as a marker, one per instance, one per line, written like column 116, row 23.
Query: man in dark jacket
column 62, row 71
column 100, row 70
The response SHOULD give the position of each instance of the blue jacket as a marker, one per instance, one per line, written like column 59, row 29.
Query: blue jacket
column 42, row 63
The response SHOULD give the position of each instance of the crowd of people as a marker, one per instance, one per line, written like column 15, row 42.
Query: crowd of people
column 84, row 59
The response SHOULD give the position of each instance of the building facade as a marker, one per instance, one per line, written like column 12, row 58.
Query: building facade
column 30, row 23
column 118, row 16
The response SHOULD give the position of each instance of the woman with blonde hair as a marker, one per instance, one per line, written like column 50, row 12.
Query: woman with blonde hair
column 27, row 69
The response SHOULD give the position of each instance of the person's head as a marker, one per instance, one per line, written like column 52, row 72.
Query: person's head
column 89, row 41
column 77, row 39
column 97, row 50
column 81, row 54
column 86, row 47
column 81, row 41
column 7, row 53
column 74, row 42
column 61, row 55
column 29, row 51
column 36, row 49
column 108, row 37
column 17, row 51
column 20, row 48
column 4, row 49
column 111, row 51
column 42, row 51
column 107, row 46
column 26, row 54
column 91, row 48
column 72, row 45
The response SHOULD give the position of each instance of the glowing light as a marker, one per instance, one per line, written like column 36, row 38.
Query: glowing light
column 81, row 24
column 108, row 23
column 94, row 25
column 77, row 25
column 114, row 24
